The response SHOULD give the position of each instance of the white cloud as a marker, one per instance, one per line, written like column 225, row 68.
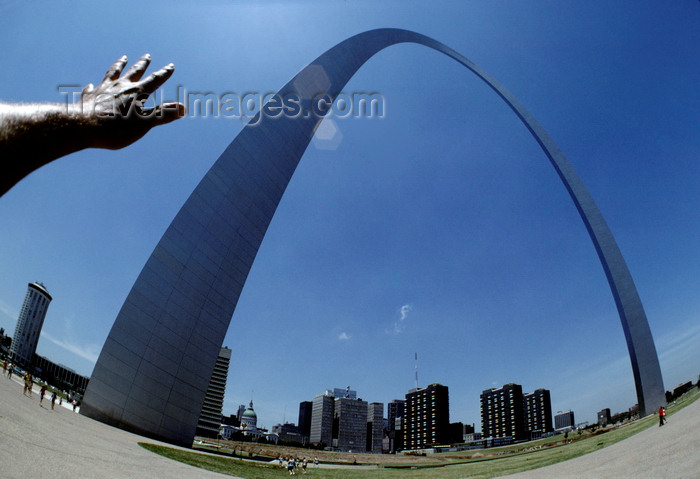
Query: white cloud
column 89, row 352
column 343, row 336
column 399, row 323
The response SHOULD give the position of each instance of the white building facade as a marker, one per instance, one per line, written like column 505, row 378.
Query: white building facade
column 29, row 323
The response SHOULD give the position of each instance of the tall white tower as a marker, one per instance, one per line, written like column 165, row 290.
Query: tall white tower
column 29, row 323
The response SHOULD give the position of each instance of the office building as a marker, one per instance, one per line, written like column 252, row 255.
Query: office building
column 538, row 413
column 564, row 420
column 604, row 416
column 305, row 411
column 375, row 427
column 322, row 420
column 287, row 432
column 427, row 417
column 239, row 413
column 508, row 413
column 395, row 414
column 210, row 417
column 29, row 324
column 502, row 412
column 349, row 425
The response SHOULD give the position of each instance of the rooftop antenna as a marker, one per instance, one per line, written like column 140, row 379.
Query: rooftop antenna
column 416, row 368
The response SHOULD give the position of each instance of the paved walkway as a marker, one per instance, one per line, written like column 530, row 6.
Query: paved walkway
column 38, row 442
column 668, row 452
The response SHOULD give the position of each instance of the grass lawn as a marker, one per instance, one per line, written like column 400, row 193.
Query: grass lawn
column 511, row 461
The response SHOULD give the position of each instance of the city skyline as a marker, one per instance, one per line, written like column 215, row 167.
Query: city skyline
column 362, row 261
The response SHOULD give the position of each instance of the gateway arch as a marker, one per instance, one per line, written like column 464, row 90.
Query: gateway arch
column 152, row 374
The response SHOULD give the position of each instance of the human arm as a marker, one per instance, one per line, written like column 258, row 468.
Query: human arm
column 110, row 116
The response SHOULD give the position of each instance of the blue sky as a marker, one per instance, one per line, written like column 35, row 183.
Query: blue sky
column 439, row 229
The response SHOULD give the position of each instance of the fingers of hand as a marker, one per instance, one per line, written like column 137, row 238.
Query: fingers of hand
column 153, row 81
column 168, row 112
column 116, row 69
column 137, row 70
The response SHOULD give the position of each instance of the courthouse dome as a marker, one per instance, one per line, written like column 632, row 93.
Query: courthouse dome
column 249, row 418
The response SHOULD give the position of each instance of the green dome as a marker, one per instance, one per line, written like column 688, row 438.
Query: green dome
column 249, row 412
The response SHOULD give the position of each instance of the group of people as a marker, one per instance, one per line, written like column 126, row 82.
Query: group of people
column 42, row 392
column 293, row 463
column 28, row 379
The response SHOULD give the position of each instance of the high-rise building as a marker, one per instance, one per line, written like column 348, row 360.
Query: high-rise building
column 604, row 416
column 210, row 417
column 538, row 413
column 350, row 425
column 427, row 417
column 395, row 414
column 502, row 412
column 345, row 423
column 563, row 420
column 29, row 323
column 322, row 420
column 508, row 413
column 305, row 411
column 241, row 410
column 375, row 427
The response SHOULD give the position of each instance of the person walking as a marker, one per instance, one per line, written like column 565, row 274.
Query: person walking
column 27, row 384
column 42, row 393
column 53, row 400
column 662, row 416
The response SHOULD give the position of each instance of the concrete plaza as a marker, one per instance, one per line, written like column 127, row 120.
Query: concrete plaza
column 36, row 441
column 668, row 452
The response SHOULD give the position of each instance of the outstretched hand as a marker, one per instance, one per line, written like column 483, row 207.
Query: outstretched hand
column 112, row 116
column 118, row 104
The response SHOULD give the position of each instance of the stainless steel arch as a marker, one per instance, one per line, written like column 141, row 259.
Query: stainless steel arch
column 153, row 371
